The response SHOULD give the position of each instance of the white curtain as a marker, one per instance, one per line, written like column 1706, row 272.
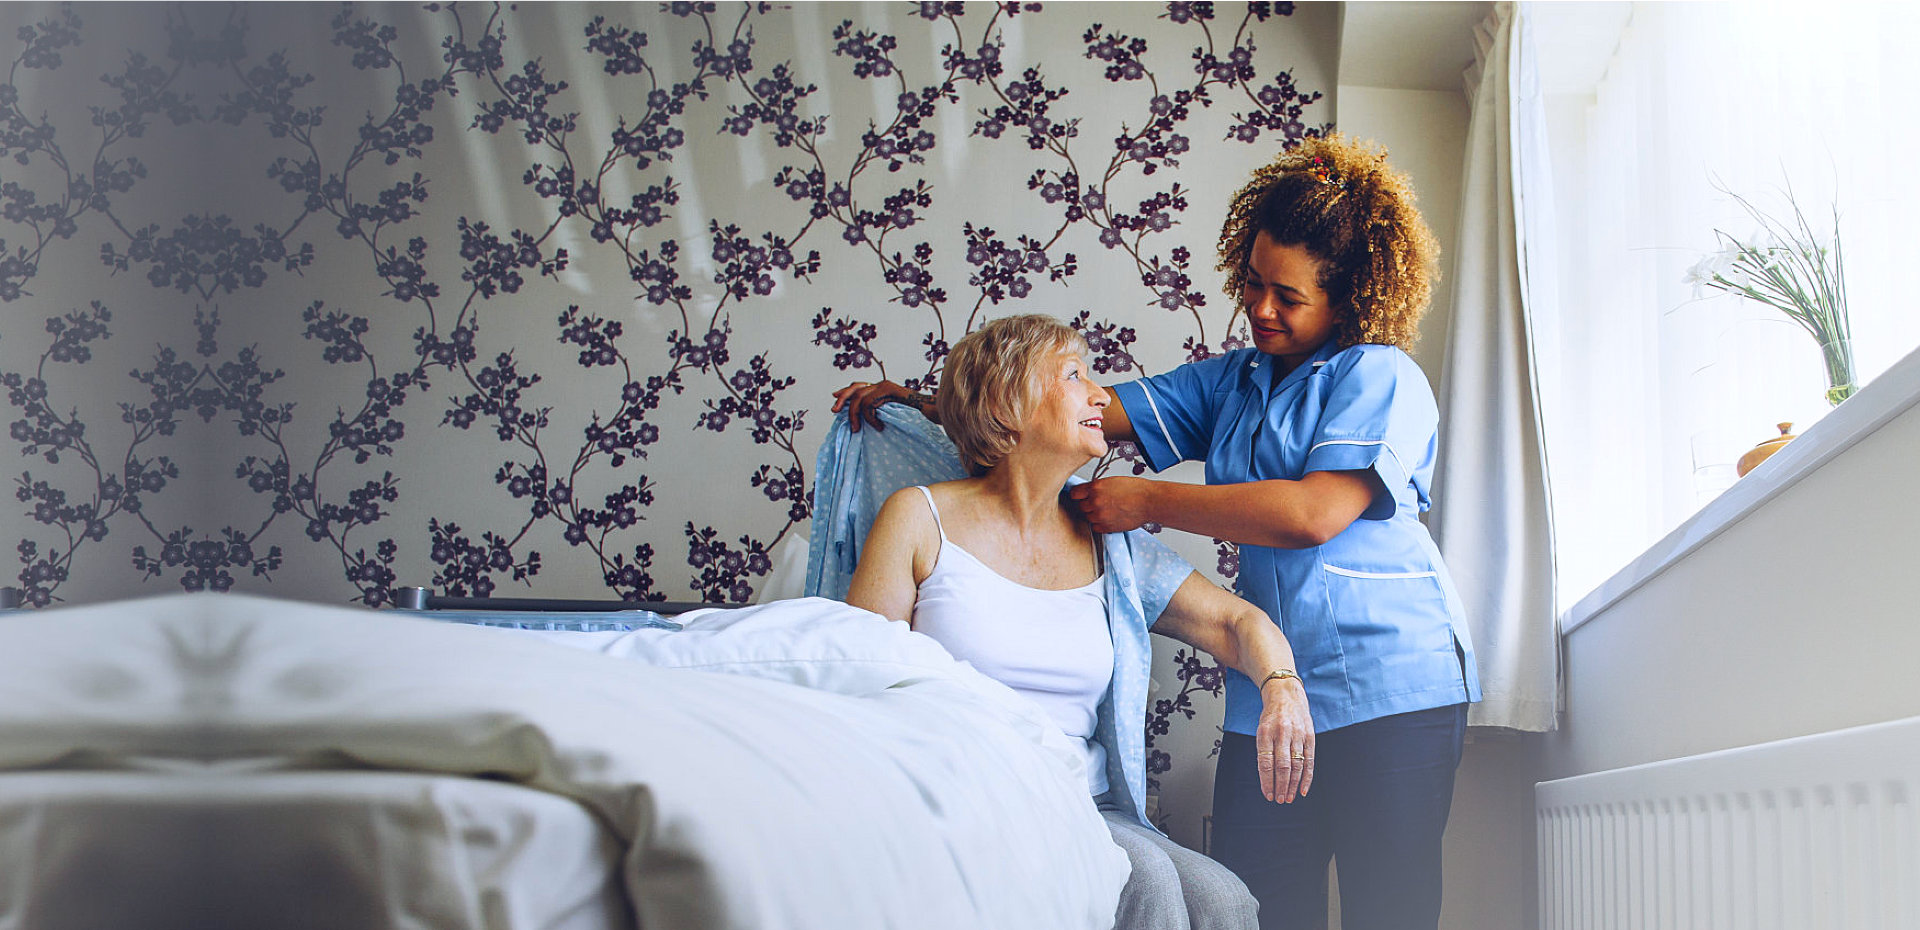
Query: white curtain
column 1491, row 516
column 1652, row 391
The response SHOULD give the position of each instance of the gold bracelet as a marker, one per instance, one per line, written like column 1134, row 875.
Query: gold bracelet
column 1282, row 674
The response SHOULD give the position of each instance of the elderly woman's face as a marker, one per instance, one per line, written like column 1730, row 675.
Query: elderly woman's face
column 1289, row 313
column 1068, row 416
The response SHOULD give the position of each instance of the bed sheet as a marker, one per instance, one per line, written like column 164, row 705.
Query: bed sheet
column 799, row 764
column 222, row 851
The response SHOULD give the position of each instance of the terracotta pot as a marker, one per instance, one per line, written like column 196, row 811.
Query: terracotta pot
column 1759, row 453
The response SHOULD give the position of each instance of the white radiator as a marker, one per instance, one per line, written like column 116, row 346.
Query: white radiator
column 1804, row 834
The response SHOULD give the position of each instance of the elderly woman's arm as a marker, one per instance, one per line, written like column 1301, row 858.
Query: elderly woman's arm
column 1240, row 635
column 894, row 558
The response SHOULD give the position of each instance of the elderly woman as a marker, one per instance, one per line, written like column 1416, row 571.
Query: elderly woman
column 1002, row 572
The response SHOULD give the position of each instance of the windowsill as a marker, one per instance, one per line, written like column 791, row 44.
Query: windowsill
column 1873, row 406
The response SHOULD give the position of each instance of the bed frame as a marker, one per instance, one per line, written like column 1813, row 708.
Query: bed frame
column 418, row 598
column 415, row 598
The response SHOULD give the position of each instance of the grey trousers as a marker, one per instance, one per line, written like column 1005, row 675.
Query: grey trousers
column 1173, row 887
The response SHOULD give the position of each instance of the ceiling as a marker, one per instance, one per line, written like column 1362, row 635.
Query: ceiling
column 1408, row 46
column 1427, row 46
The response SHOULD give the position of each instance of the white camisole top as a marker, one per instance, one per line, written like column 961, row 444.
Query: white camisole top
column 1052, row 646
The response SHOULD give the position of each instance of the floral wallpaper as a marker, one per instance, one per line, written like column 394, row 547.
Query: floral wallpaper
column 317, row 300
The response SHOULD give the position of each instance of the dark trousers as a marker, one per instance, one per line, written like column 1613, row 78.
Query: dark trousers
column 1378, row 806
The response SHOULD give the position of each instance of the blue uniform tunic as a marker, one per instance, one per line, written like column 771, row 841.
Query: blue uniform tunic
column 1372, row 615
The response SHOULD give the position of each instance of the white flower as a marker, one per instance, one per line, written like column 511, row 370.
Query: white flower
column 1717, row 270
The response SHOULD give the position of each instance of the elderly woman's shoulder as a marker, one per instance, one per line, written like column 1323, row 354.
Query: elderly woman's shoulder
column 943, row 492
column 906, row 509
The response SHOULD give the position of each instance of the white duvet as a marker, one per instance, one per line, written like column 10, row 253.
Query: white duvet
column 798, row 764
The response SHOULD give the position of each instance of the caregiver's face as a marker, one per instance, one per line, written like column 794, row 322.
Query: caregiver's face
column 1290, row 314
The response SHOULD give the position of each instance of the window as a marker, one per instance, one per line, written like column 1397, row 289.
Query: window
column 1650, row 393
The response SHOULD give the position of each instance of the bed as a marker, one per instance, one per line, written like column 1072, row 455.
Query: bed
column 215, row 761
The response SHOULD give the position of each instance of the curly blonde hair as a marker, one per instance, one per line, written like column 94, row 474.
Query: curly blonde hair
column 1338, row 198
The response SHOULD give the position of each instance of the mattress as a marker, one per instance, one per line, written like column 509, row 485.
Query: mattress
column 295, row 850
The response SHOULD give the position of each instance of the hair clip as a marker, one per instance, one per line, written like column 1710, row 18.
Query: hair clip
column 1320, row 170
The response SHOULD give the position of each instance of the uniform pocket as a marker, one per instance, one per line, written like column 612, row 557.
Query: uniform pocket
column 1390, row 623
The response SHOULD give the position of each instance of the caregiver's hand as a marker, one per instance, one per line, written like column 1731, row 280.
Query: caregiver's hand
column 1114, row 505
column 1283, row 742
column 862, row 401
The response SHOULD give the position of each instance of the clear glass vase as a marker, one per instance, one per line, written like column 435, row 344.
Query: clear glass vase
column 1838, row 355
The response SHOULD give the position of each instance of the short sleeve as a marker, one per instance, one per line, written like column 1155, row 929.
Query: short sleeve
column 1379, row 415
column 1157, row 570
column 1173, row 413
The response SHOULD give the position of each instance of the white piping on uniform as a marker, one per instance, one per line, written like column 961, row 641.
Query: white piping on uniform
column 1350, row 573
column 1366, row 442
column 1148, row 393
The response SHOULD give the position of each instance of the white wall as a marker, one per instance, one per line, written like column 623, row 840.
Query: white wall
column 1787, row 608
column 1800, row 618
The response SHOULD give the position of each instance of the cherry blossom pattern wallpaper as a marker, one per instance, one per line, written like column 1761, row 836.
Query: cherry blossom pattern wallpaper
column 315, row 300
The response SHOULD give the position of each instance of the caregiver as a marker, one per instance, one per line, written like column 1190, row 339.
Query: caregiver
column 1319, row 444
